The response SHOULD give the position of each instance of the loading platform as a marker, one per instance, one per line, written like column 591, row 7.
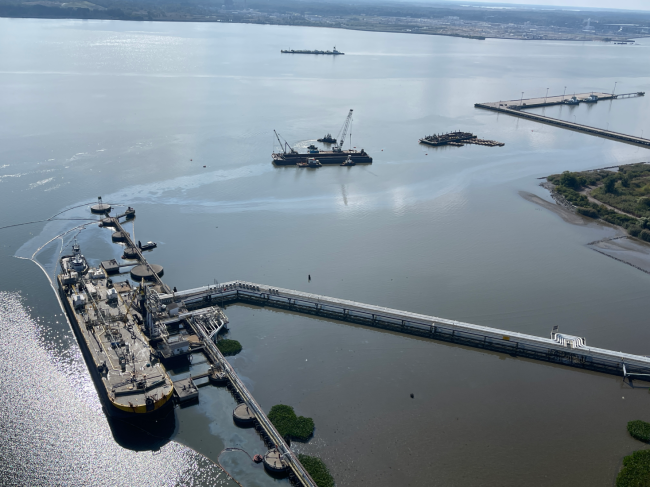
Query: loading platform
column 560, row 348
column 516, row 108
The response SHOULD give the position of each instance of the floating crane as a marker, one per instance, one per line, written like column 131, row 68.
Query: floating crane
column 343, row 133
column 284, row 145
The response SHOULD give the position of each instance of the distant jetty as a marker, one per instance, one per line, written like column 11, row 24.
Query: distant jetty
column 333, row 52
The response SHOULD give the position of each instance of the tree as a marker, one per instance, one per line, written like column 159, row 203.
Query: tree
column 569, row 179
column 625, row 181
column 609, row 185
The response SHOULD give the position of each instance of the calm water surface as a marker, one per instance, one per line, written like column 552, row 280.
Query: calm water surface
column 133, row 111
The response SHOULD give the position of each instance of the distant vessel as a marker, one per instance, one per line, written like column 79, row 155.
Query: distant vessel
column 311, row 162
column 328, row 139
column 591, row 99
column 451, row 138
column 572, row 101
column 333, row 52
column 106, row 318
column 349, row 162
column 288, row 156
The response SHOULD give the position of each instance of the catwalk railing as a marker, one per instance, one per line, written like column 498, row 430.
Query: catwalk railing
column 559, row 348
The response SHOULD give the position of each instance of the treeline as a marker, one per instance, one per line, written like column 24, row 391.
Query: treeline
column 627, row 190
column 222, row 10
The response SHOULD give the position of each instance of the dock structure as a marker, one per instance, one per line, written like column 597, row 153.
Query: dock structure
column 288, row 457
column 516, row 108
column 560, row 348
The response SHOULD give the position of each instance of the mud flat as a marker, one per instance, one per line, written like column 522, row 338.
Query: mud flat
column 627, row 250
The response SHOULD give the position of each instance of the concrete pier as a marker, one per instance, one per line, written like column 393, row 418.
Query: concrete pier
column 516, row 108
column 253, row 411
column 560, row 348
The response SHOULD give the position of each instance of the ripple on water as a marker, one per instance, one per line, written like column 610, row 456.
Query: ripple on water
column 53, row 430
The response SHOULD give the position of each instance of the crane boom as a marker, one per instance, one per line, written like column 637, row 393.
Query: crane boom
column 279, row 141
column 343, row 133
column 284, row 144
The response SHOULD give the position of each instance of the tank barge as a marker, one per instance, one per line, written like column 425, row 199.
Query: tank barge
column 333, row 52
column 127, row 334
column 107, row 320
column 337, row 156
column 326, row 158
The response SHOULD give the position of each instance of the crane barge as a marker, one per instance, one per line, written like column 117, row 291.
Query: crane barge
column 337, row 156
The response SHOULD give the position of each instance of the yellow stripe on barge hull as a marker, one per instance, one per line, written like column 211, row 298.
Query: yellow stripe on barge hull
column 142, row 408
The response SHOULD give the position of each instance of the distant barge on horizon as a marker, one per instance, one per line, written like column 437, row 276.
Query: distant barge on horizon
column 333, row 52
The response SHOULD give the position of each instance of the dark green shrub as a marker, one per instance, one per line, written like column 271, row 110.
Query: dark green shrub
column 645, row 235
column 636, row 468
column 289, row 425
column 569, row 179
column 589, row 212
column 625, row 181
column 610, row 184
column 634, row 231
column 229, row 347
column 639, row 430
column 317, row 469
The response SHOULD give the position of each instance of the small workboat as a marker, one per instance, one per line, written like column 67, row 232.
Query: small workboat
column 349, row 162
column 147, row 246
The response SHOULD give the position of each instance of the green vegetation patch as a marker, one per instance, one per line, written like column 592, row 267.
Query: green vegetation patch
column 289, row 425
column 636, row 468
column 627, row 190
column 317, row 469
column 639, row 430
column 229, row 347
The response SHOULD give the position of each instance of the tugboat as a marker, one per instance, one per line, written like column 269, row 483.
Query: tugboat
column 591, row 99
column 349, row 162
column 572, row 101
column 312, row 149
column 147, row 246
column 328, row 139
column 311, row 162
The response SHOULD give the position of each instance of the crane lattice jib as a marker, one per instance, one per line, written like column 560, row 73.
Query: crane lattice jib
column 344, row 131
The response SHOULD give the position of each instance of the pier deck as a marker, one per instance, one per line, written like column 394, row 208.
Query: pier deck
column 516, row 109
column 559, row 348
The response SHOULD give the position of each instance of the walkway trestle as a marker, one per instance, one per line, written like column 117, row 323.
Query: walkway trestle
column 560, row 348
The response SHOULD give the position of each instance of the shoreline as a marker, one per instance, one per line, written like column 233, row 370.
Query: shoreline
column 574, row 203
column 630, row 40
